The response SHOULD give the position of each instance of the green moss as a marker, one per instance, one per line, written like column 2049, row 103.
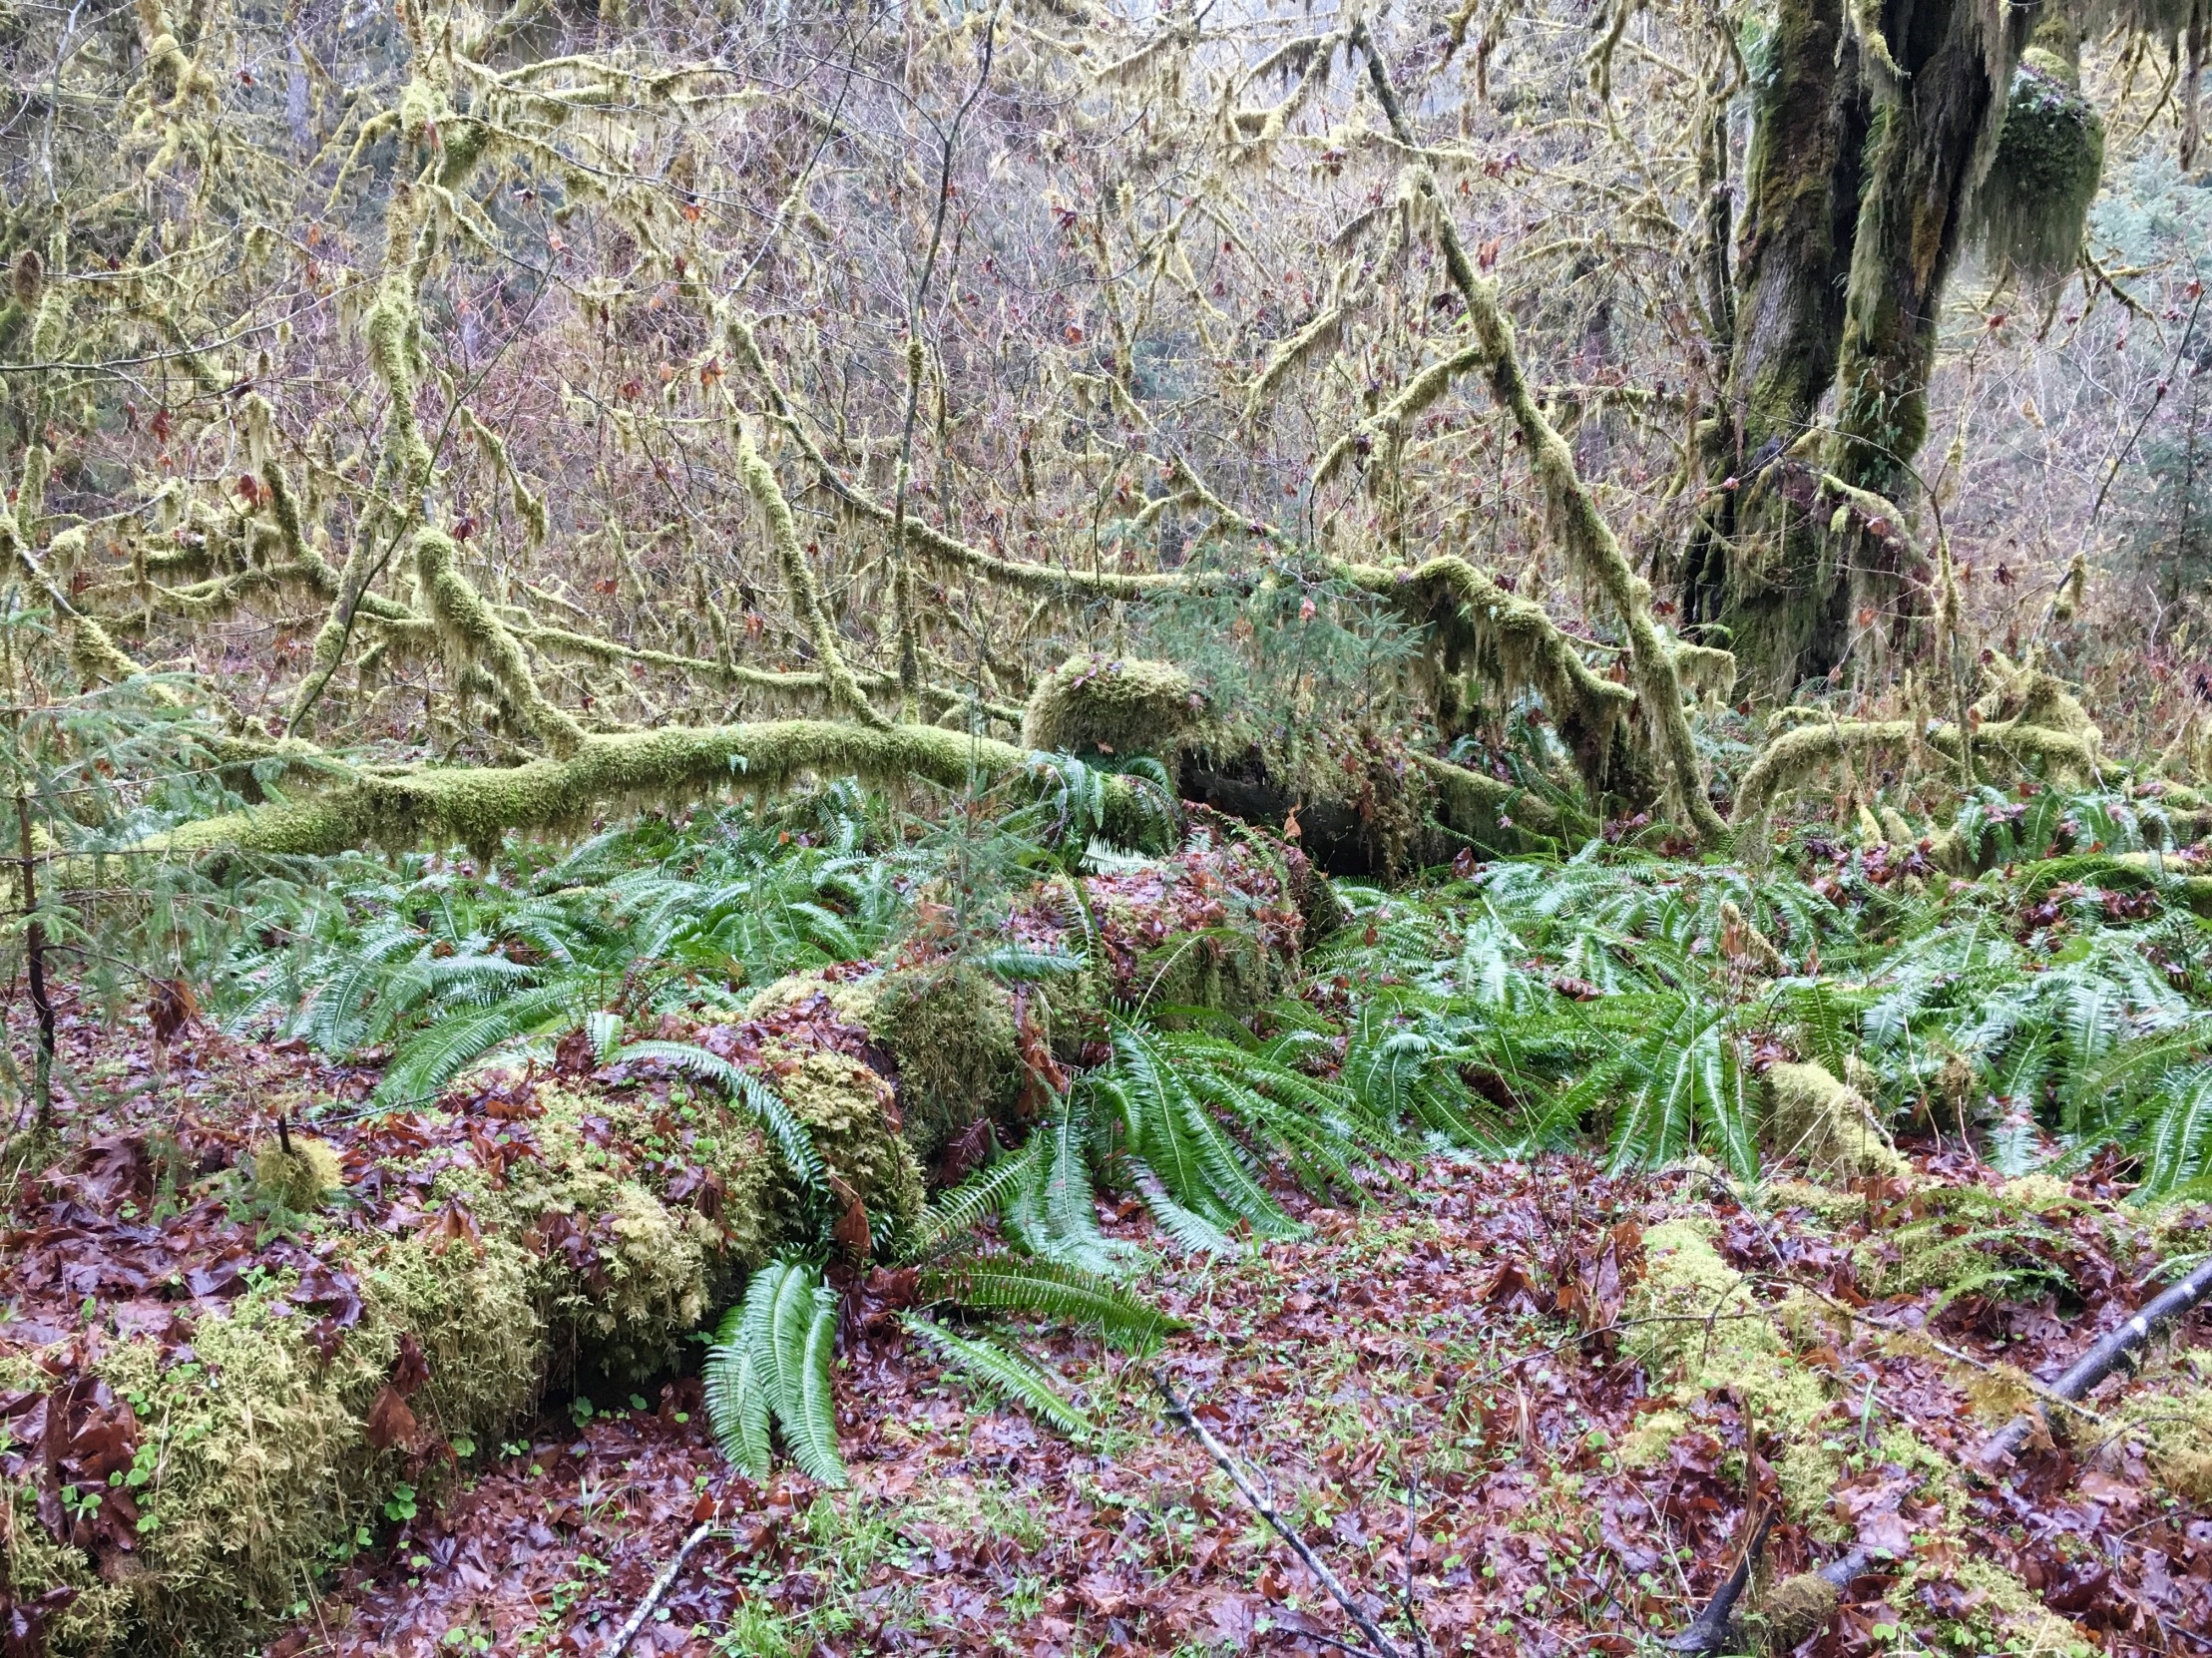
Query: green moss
column 477, row 806
column 2035, row 200
column 1827, row 1123
column 847, row 1109
column 1969, row 1237
column 950, row 1030
column 302, row 1178
column 656, row 1263
column 1095, row 705
column 1704, row 1332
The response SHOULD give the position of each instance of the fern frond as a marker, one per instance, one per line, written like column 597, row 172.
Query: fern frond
column 746, row 1091
column 1008, row 1283
column 1008, row 1372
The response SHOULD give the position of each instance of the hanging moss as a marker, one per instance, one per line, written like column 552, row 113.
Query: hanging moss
column 2035, row 201
column 473, row 635
column 1097, row 704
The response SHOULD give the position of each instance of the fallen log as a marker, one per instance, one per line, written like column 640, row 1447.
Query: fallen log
column 1800, row 1606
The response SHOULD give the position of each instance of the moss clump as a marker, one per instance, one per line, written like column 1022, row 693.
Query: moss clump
column 300, row 1176
column 1795, row 1609
column 2049, row 156
column 1095, row 705
column 1826, row 1122
column 1227, row 970
column 851, row 1114
column 1703, row 1331
column 646, row 1269
column 950, row 1030
column 1969, row 1238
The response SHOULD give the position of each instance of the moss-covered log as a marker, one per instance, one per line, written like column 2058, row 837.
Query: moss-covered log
column 477, row 805
column 507, row 1252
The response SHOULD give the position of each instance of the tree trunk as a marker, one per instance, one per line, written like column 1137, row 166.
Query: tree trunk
column 1775, row 606
column 1866, row 150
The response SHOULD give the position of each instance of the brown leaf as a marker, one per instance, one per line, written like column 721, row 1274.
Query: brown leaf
column 409, row 1369
column 390, row 1423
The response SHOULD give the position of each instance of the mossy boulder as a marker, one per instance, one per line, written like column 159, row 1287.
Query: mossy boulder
column 950, row 1031
column 1125, row 706
column 624, row 1274
column 852, row 1114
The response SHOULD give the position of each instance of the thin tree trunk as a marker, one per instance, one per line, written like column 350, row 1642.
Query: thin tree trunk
column 34, row 955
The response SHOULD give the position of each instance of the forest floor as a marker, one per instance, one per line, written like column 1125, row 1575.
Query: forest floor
column 1439, row 1387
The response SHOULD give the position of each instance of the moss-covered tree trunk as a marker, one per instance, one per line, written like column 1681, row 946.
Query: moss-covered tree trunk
column 1776, row 606
column 1866, row 150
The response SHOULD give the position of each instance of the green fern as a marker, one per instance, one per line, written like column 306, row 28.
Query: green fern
column 770, row 1359
column 1007, row 1370
column 1010, row 1284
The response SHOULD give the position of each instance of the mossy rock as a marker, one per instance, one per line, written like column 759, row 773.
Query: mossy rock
column 1225, row 971
column 949, row 1030
column 658, row 1263
column 851, row 1112
column 1099, row 704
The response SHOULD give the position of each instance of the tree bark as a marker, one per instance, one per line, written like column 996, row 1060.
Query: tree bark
column 1802, row 176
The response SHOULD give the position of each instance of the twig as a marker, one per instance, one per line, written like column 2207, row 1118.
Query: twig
column 661, row 1587
column 1180, row 1412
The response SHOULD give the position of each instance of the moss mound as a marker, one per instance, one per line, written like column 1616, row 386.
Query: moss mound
column 950, row 1030
column 300, row 1176
column 625, row 1274
column 1828, row 1123
column 1098, row 704
column 852, row 1114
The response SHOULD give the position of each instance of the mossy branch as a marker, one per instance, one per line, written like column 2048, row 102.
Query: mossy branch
column 473, row 635
column 475, row 806
column 1574, row 515
column 806, row 593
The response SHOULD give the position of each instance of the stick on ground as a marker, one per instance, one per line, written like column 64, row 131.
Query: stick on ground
column 1180, row 1412
column 661, row 1586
